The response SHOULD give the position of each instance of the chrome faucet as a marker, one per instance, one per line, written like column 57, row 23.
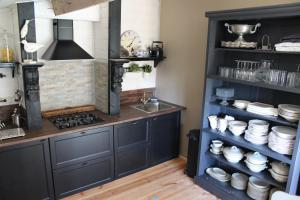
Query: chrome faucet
column 144, row 100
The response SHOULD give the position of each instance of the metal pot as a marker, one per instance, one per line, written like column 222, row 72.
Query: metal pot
column 157, row 49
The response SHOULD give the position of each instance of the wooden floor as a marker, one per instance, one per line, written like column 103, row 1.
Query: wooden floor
column 165, row 181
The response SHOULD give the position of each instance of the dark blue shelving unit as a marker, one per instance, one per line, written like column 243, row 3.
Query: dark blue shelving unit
column 271, row 18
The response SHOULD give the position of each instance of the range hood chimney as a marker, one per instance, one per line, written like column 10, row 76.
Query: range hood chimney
column 63, row 47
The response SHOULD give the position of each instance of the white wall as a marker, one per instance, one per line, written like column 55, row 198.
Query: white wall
column 143, row 17
column 8, row 85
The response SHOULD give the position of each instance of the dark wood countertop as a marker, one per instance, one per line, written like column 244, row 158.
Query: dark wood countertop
column 48, row 130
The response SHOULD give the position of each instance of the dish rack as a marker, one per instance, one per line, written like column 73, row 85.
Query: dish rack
column 274, row 17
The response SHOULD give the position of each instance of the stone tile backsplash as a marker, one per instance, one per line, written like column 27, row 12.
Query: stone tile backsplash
column 67, row 84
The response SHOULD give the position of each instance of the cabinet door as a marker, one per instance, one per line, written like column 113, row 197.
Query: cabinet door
column 79, row 147
column 131, row 160
column 131, row 133
column 25, row 172
column 131, row 147
column 164, row 137
column 79, row 177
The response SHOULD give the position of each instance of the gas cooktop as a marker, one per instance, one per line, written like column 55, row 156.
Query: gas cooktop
column 74, row 120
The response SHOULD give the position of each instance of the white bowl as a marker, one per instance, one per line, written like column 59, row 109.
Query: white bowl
column 255, row 168
column 236, row 132
column 280, row 168
column 278, row 177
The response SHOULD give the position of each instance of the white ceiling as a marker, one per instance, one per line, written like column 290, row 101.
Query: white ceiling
column 7, row 3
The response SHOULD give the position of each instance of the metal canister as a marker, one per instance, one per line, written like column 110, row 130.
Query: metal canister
column 16, row 118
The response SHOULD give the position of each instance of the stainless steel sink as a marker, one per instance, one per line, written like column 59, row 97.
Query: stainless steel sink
column 153, row 107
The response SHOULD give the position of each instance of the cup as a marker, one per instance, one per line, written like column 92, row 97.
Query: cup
column 213, row 121
column 217, row 143
column 222, row 125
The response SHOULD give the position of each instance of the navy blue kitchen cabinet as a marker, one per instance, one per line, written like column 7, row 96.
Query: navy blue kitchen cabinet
column 146, row 143
column 164, row 136
column 82, row 160
column 81, row 146
column 25, row 172
column 131, row 147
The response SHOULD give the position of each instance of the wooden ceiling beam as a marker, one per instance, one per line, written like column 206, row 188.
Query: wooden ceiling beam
column 64, row 6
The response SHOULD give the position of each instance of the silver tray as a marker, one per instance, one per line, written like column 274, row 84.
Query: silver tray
column 245, row 45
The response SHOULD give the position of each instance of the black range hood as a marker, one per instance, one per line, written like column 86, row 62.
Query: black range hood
column 63, row 46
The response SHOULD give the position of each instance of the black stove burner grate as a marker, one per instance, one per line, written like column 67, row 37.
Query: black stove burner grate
column 74, row 120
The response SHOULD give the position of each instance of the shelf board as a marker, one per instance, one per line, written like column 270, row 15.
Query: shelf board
column 8, row 65
column 256, row 51
column 256, row 84
column 264, row 175
column 142, row 58
column 241, row 142
column 209, row 183
column 278, row 119
column 155, row 59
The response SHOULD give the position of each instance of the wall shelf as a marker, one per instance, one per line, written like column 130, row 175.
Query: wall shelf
column 11, row 65
column 264, row 175
column 237, row 111
column 241, row 142
column 256, row 84
column 256, row 51
column 156, row 60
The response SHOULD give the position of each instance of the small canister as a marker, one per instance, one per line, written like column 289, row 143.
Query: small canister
column 16, row 118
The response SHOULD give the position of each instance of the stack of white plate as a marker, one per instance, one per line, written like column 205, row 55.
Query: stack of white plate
column 257, row 189
column 262, row 109
column 241, row 104
column 239, row 181
column 289, row 112
column 258, row 131
column 218, row 174
column 282, row 139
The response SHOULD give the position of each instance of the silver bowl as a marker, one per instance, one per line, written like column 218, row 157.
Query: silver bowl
column 241, row 30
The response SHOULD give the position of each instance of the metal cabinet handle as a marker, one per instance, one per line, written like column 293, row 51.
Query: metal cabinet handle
column 155, row 118
column 134, row 123
column 83, row 132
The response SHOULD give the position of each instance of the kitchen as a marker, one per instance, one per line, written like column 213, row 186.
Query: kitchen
column 80, row 118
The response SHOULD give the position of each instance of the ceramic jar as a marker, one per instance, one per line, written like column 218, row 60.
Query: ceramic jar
column 233, row 154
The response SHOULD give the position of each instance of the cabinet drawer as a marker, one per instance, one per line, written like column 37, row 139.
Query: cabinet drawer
column 79, row 147
column 82, row 176
column 131, row 133
column 131, row 160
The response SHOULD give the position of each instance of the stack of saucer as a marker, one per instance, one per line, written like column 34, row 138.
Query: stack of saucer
column 289, row 112
column 257, row 132
column 257, row 189
column 282, row 139
column 262, row 109
column 218, row 174
column 216, row 147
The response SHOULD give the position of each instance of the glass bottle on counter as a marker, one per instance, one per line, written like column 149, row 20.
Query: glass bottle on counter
column 6, row 50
